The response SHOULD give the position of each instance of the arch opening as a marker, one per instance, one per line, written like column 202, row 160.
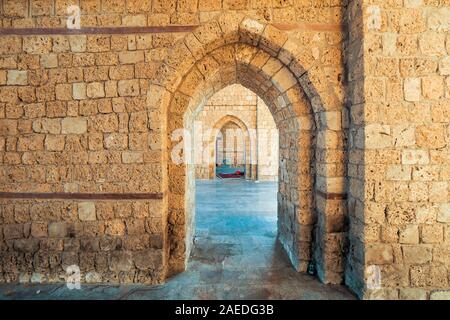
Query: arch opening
column 232, row 50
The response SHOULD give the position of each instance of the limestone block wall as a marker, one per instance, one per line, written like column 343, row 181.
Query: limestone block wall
column 47, row 13
column 102, row 241
column 76, row 118
column 400, row 148
column 238, row 102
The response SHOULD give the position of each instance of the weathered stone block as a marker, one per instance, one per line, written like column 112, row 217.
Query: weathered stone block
column 438, row 192
column 410, row 235
column 444, row 66
column 17, row 77
column 63, row 92
column 13, row 231
column 116, row 141
column 131, row 57
column 78, row 43
column 79, row 91
column 115, row 228
column 86, row 211
column 433, row 87
column 432, row 44
column 379, row 254
column 432, row 234
column 138, row 122
column 416, row 254
column 128, row 88
column 444, row 213
column 377, row 136
column 73, row 126
column 413, row 294
column 147, row 259
column 98, row 43
column 37, row 44
column 26, row 245
column 54, row 142
column 412, row 89
column 398, row 172
column 39, row 230
column 57, row 229
column 95, row 90
column 331, row 120
column 120, row 261
column 33, row 142
column 121, row 72
column 93, row 277
column 49, row 60
column 132, row 157
column 415, row 157
column 105, row 123
column 430, row 136
column 412, row 3
column 440, row 295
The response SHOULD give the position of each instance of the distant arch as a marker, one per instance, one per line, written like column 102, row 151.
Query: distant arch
column 249, row 144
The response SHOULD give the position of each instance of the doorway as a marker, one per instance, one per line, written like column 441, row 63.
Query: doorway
column 230, row 152
column 311, row 203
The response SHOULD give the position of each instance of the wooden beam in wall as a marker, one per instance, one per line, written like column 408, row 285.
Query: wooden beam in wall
column 95, row 30
column 152, row 29
column 81, row 196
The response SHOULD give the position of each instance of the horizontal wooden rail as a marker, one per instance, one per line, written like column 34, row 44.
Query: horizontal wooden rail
column 151, row 29
column 95, row 30
column 80, row 196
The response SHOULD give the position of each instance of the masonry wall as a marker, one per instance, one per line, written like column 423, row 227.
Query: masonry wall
column 401, row 147
column 353, row 57
column 74, row 119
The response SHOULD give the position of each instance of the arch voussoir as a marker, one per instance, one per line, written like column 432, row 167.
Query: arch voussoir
column 250, row 31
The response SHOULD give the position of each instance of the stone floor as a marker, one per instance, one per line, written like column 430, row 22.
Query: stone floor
column 235, row 256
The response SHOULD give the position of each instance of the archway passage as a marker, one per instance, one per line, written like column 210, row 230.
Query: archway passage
column 235, row 245
column 234, row 49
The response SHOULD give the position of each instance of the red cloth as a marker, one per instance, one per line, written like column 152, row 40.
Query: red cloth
column 230, row 175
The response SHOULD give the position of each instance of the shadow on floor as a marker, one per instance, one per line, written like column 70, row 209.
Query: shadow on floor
column 235, row 256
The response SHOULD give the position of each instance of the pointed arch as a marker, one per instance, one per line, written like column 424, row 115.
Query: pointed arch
column 249, row 143
column 302, row 98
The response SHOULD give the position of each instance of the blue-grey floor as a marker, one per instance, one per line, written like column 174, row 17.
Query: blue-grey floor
column 235, row 256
